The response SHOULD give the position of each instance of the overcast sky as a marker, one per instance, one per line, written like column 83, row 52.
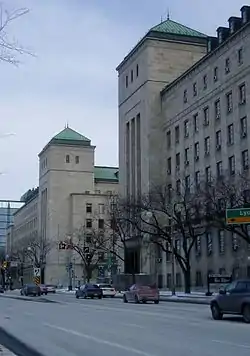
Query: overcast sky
column 78, row 44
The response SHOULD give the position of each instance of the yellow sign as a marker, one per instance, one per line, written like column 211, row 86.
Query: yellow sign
column 37, row 280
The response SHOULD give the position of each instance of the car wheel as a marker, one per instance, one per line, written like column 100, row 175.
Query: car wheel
column 216, row 313
column 46, row 293
column 137, row 299
column 84, row 296
column 77, row 296
column 156, row 301
column 144, row 301
column 100, row 297
column 124, row 299
column 112, row 296
column 246, row 313
column 54, row 291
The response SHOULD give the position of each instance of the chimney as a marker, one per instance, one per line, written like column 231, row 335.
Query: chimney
column 245, row 14
column 212, row 43
column 234, row 24
column 223, row 33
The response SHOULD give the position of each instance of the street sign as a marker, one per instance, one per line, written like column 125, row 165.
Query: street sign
column 238, row 216
column 219, row 278
column 37, row 280
column 37, row 272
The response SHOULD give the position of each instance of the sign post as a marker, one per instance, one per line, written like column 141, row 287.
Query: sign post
column 217, row 279
column 238, row 216
column 37, row 275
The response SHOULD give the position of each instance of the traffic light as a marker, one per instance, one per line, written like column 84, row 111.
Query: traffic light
column 88, row 257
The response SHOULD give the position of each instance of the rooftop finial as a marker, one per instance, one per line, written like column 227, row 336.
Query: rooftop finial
column 67, row 125
column 168, row 15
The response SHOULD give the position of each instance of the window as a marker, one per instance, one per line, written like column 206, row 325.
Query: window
column 77, row 159
column 88, row 238
column 186, row 132
column 169, row 139
column 230, row 134
column 245, row 159
column 178, row 280
column 178, row 186
column 67, row 159
column 197, row 179
column 216, row 72
column 177, row 134
column 218, row 140
column 243, row 127
column 208, row 174
column 177, row 161
column 221, row 241
column 198, row 246
column 88, row 208
column 209, row 243
column 185, row 96
column 132, row 76
column 88, row 223
column 169, row 166
column 101, row 209
column 101, row 224
column 231, row 162
column 137, row 70
column 235, row 241
column 217, row 109
column 205, row 82
column 196, row 151
column 206, row 116
column 219, row 169
column 187, row 184
column 229, row 102
column 207, row 145
column 196, row 122
column 240, row 56
column 186, row 156
column 126, row 80
column 242, row 94
column 169, row 192
column 198, row 279
column 195, row 89
column 227, row 65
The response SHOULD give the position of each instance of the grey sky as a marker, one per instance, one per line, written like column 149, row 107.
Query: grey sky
column 78, row 44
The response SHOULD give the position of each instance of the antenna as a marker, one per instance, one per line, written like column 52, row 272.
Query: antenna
column 168, row 14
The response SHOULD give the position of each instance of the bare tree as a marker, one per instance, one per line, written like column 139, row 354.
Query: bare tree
column 172, row 220
column 10, row 49
column 90, row 245
column 227, row 193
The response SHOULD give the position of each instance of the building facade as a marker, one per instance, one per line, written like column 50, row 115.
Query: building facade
column 198, row 129
column 73, row 193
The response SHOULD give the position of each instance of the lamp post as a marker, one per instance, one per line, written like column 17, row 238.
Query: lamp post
column 69, row 242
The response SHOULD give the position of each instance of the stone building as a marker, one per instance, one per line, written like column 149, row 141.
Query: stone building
column 73, row 193
column 183, row 113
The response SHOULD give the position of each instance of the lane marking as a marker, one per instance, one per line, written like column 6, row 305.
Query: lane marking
column 133, row 325
column 99, row 341
column 231, row 344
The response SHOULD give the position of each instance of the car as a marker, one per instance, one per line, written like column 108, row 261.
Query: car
column 51, row 288
column 30, row 289
column 107, row 290
column 1, row 289
column 139, row 293
column 89, row 291
column 43, row 289
column 232, row 299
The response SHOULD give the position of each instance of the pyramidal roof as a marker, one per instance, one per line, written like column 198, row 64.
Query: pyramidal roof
column 175, row 28
column 68, row 134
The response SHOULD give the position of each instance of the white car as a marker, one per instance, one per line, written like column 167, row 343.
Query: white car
column 50, row 288
column 107, row 290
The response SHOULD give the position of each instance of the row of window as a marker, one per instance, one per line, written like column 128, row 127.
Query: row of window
column 132, row 75
column 89, row 223
column 89, row 208
column 216, row 74
column 67, row 159
column 206, row 116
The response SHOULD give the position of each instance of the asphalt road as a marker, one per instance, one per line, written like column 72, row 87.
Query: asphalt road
column 109, row 328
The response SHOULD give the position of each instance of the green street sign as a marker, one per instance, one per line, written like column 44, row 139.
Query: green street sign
column 238, row 216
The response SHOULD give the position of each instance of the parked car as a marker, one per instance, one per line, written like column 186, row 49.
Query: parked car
column 138, row 293
column 43, row 289
column 107, row 290
column 51, row 288
column 233, row 299
column 89, row 291
column 30, row 289
column 1, row 289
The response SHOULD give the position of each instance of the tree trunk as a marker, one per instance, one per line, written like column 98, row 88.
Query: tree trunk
column 187, row 279
column 89, row 274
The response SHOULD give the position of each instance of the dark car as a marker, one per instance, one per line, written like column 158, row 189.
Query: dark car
column 233, row 299
column 30, row 289
column 89, row 291
column 138, row 293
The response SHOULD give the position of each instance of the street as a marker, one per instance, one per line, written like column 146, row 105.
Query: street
column 109, row 327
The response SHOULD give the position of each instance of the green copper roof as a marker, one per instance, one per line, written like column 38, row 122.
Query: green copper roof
column 70, row 135
column 175, row 28
column 106, row 173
